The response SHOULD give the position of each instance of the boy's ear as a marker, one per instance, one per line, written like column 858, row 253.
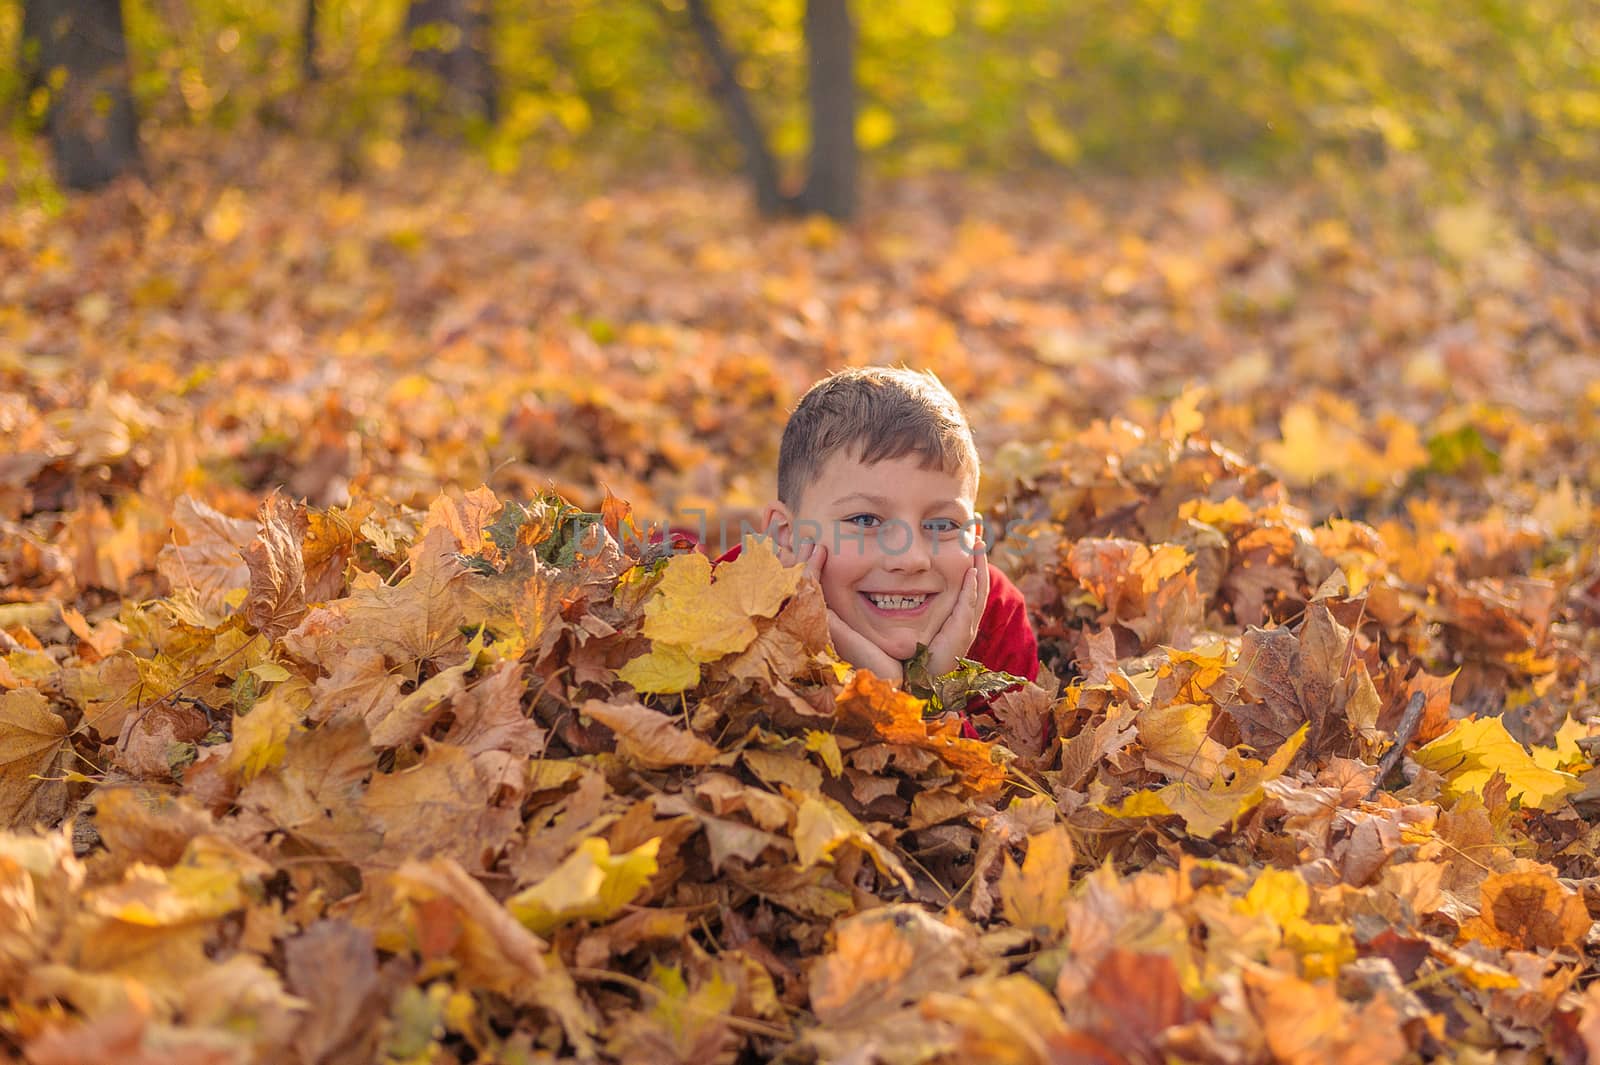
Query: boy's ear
column 777, row 521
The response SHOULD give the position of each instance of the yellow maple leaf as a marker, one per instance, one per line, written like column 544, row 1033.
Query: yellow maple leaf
column 1563, row 509
column 1034, row 894
column 1311, row 447
column 693, row 618
column 1471, row 753
column 591, row 885
column 1566, row 751
column 664, row 669
column 710, row 619
column 1232, row 793
column 1323, row 948
column 822, row 825
column 1176, row 744
column 1277, row 893
column 261, row 737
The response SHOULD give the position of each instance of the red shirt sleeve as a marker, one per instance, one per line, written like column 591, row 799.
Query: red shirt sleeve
column 1005, row 640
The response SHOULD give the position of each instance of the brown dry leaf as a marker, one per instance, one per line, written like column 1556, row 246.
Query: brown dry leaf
column 127, row 1037
column 734, row 839
column 333, row 968
column 206, row 555
column 314, row 796
column 467, row 521
column 625, row 933
column 1026, row 721
column 439, row 807
column 419, row 618
column 451, row 915
column 1308, row 1024
column 332, row 539
column 1528, row 911
column 32, row 737
column 650, row 739
column 146, row 826
column 361, row 687
column 488, row 716
column 1138, row 1000
column 416, row 712
column 277, row 598
column 1266, row 671
column 883, row 959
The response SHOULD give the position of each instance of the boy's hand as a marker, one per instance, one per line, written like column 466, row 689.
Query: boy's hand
column 954, row 638
column 850, row 644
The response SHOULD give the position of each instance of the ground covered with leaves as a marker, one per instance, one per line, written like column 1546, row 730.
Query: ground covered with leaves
column 365, row 723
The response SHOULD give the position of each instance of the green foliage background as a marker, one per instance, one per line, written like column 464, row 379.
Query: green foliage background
column 1129, row 85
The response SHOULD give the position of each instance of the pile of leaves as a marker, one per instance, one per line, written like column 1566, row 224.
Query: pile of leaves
column 358, row 771
column 479, row 784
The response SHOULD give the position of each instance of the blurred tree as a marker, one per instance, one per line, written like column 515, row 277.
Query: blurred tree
column 831, row 86
column 83, row 61
column 29, row 44
column 308, row 43
column 830, row 186
column 723, row 79
column 450, row 43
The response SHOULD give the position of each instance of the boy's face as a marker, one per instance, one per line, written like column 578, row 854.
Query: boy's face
column 899, row 539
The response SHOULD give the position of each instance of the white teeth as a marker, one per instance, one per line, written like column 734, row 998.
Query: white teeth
column 897, row 602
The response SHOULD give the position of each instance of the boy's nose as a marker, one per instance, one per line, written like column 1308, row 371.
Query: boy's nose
column 913, row 559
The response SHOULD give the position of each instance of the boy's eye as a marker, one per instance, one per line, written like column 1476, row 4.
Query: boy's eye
column 864, row 521
column 942, row 525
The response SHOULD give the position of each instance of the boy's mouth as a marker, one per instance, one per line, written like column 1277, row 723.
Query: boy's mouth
column 900, row 606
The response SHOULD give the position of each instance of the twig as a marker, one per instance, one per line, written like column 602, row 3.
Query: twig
column 1402, row 736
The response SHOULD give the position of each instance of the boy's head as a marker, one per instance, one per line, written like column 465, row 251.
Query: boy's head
column 878, row 464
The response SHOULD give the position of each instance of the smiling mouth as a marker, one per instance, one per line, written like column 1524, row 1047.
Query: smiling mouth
column 897, row 604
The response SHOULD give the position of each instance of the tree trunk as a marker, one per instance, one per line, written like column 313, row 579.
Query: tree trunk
column 831, row 43
column 94, row 132
column 449, row 42
column 308, row 43
column 30, row 45
column 759, row 163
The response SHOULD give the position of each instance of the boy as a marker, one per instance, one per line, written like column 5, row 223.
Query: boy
column 877, row 483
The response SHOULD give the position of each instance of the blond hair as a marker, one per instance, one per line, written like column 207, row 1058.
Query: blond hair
column 884, row 412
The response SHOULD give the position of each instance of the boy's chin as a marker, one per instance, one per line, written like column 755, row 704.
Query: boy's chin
column 898, row 647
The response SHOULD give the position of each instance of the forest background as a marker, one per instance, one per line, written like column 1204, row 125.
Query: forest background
column 346, row 716
column 1000, row 84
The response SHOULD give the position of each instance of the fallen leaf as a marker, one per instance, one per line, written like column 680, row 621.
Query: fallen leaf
column 591, row 885
column 1474, row 751
column 32, row 737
